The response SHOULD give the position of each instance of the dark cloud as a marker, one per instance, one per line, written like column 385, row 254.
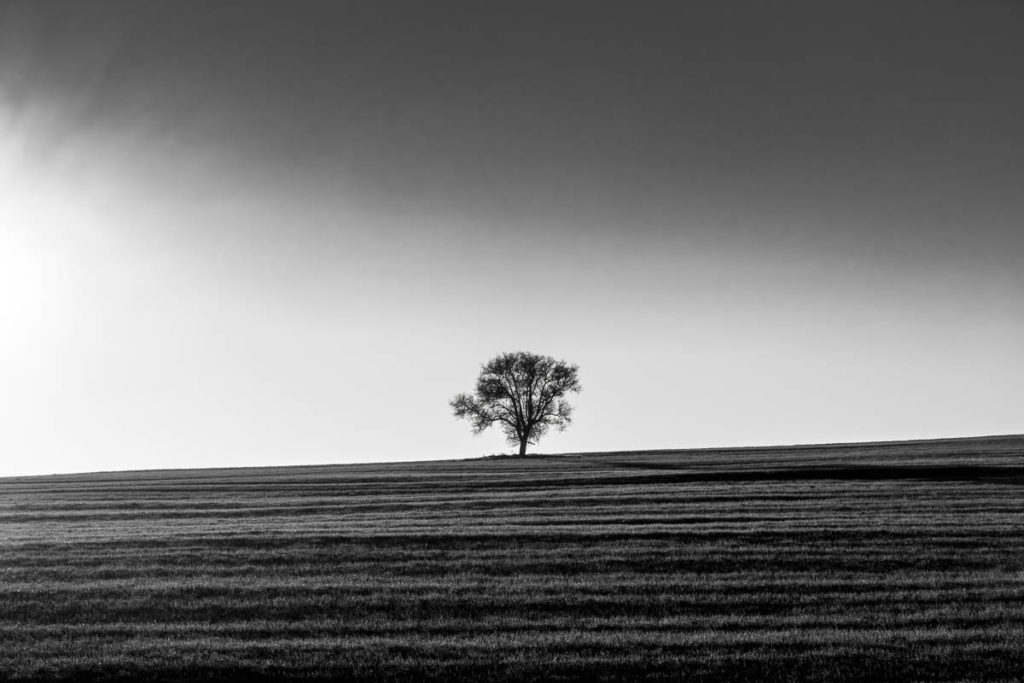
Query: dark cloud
column 508, row 103
column 884, row 131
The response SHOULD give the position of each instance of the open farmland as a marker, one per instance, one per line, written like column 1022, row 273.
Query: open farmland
column 857, row 562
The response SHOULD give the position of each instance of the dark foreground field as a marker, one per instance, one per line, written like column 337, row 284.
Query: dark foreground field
column 871, row 562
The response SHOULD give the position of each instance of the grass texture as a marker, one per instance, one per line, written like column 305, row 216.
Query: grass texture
column 867, row 562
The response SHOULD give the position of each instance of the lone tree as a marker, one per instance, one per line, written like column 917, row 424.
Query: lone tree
column 523, row 393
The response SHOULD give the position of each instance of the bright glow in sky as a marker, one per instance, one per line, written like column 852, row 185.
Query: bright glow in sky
column 32, row 273
column 268, row 243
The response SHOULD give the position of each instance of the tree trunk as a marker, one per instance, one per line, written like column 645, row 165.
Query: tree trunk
column 522, row 446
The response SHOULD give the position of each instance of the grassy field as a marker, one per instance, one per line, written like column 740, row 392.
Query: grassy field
column 856, row 562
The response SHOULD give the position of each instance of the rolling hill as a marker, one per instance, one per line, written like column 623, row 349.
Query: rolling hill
column 881, row 561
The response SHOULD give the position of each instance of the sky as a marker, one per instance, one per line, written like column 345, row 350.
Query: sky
column 271, row 233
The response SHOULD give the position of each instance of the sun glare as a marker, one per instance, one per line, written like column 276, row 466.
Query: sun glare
column 30, row 267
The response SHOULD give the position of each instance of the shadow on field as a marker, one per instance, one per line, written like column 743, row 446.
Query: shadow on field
column 705, row 664
column 974, row 473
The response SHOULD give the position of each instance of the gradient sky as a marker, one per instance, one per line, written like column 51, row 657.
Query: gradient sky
column 244, row 233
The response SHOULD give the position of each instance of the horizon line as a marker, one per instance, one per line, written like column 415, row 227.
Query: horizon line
column 645, row 451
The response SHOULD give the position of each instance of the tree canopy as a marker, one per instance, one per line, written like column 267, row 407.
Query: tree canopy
column 523, row 393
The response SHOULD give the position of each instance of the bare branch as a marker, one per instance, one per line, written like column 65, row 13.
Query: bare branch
column 524, row 393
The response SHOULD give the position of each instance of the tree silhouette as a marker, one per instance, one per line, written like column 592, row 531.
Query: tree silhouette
column 523, row 393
